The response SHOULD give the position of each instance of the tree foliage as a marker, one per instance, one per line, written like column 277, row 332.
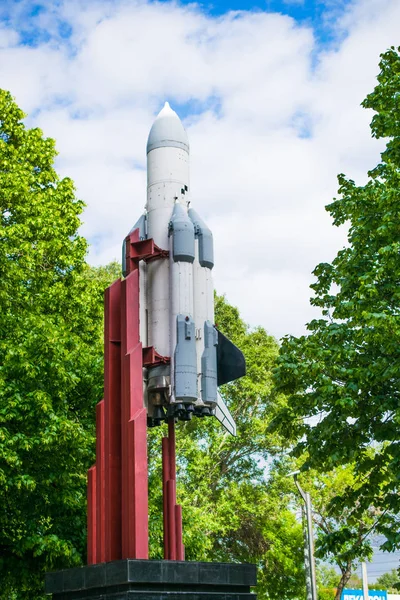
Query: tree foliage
column 230, row 511
column 341, row 538
column 327, row 576
column 345, row 375
column 50, row 356
column 389, row 581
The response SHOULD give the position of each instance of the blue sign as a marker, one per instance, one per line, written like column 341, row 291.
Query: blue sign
column 358, row 595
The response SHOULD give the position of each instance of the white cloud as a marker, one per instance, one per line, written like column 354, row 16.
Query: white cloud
column 274, row 130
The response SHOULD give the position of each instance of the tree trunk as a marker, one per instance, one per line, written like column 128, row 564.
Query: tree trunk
column 346, row 574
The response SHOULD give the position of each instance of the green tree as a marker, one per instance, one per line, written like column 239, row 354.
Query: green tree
column 327, row 576
column 345, row 375
column 230, row 511
column 327, row 581
column 389, row 581
column 341, row 539
column 354, row 583
column 326, row 593
column 51, row 362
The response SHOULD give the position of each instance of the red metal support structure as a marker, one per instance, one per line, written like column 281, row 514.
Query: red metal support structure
column 112, row 417
column 134, row 427
column 91, row 516
column 117, row 483
column 100, row 484
column 173, row 546
column 165, row 478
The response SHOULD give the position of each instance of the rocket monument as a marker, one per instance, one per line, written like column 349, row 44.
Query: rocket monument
column 163, row 356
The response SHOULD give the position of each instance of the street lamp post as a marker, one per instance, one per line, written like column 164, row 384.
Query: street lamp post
column 309, row 560
column 309, row 594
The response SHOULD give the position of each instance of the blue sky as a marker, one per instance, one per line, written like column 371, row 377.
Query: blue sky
column 320, row 15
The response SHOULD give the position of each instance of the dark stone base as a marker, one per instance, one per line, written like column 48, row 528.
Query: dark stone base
column 154, row 580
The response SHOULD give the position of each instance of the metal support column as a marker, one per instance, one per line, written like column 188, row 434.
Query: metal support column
column 309, row 560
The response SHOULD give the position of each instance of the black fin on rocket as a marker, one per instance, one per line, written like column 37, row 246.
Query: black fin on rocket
column 230, row 361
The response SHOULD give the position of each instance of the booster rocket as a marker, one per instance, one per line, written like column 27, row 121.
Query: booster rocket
column 188, row 357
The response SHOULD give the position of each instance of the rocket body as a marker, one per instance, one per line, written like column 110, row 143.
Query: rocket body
column 167, row 182
column 176, row 298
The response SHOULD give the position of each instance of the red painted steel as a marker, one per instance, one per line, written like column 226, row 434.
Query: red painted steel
column 100, row 498
column 165, row 478
column 134, row 427
column 112, row 416
column 172, row 513
column 151, row 358
column 172, row 458
column 91, row 516
column 118, row 482
column 136, row 249
column 180, row 550
column 171, row 495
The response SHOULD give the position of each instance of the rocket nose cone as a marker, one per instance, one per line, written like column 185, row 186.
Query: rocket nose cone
column 167, row 130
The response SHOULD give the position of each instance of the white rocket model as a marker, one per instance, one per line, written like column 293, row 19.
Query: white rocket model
column 176, row 291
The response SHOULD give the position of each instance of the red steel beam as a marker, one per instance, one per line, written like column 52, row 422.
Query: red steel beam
column 133, row 427
column 171, row 495
column 171, row 443
column 180, row 551
column 172, row 513
column 100, row 498
column 91, row 516
column 165, row 478
column 112, row 417
column 118, row 483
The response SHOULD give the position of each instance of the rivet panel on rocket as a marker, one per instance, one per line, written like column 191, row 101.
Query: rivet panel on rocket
column 176, row 291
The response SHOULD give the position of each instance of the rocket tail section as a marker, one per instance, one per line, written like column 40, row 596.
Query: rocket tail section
column 231, row 362
column 223, row 415
column 209, row 366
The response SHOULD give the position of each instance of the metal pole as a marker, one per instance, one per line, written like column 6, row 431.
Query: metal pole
column 310, row 542
column 311, row 546
column 364, row 580
column 309, row 595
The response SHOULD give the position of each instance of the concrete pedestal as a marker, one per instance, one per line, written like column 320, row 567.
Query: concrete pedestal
column 154, row 580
